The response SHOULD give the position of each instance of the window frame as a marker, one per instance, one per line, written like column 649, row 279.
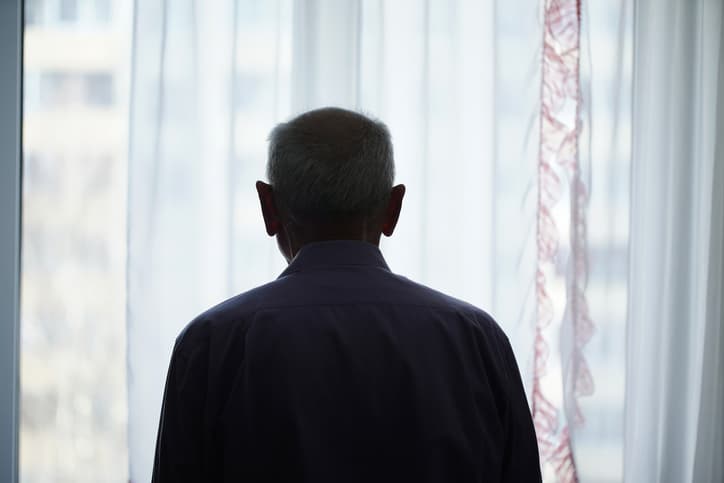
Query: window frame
column 11, row 44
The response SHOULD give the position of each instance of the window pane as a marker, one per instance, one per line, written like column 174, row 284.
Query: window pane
column 99, row 89
column 103, row 11
column 55, row 89
column 68, row 10
column 73, row 377
column 33, row 12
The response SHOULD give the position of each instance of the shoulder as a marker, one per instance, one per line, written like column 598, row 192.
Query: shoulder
column 226, row 318
column 420, row 294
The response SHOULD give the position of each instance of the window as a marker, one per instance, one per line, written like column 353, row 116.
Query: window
column 56, row 89
column 74, row 382
column 68, row 10
column 73, row 379
column 33, row 12
column 98, row 89
column 102, row 11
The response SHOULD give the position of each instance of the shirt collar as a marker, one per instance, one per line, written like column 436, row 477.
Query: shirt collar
column 336, row 253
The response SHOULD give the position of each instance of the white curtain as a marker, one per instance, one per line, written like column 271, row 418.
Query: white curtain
column 208, row 80
column 675, row 365
column 459, row 84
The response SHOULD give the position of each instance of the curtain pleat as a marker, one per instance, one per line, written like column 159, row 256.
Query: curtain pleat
column 673, row 390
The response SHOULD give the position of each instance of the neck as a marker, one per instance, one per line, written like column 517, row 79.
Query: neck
column 299, row 235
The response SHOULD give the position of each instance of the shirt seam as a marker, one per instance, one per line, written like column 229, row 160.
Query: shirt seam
column 320, row 268
column 372, row 303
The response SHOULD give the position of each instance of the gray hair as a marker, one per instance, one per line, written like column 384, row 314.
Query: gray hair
column 331, row 162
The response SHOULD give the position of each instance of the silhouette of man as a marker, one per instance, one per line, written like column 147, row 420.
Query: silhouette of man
column 339, row 370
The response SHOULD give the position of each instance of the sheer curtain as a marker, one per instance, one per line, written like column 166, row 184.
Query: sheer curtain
column 208, row 80
column 674, row 391
column 461, row 85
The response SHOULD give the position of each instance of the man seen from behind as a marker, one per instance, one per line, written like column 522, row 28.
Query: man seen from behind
column 340, row 370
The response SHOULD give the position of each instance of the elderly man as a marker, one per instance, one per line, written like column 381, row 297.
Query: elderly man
column 339, row 370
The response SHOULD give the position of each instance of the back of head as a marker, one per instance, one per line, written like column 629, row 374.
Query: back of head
column 331, row 164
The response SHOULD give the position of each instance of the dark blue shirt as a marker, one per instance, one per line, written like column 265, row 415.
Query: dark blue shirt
column 341, row 371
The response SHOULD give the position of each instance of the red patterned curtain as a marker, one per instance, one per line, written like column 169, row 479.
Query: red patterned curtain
column 559, row 169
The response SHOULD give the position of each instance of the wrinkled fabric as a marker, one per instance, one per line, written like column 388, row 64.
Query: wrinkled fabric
column 342, row 371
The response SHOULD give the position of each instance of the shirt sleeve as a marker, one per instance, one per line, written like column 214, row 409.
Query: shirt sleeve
column 521, row 462
column 179, row 444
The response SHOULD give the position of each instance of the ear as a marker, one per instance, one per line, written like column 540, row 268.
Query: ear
column 392, row 213
column 268, row 208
